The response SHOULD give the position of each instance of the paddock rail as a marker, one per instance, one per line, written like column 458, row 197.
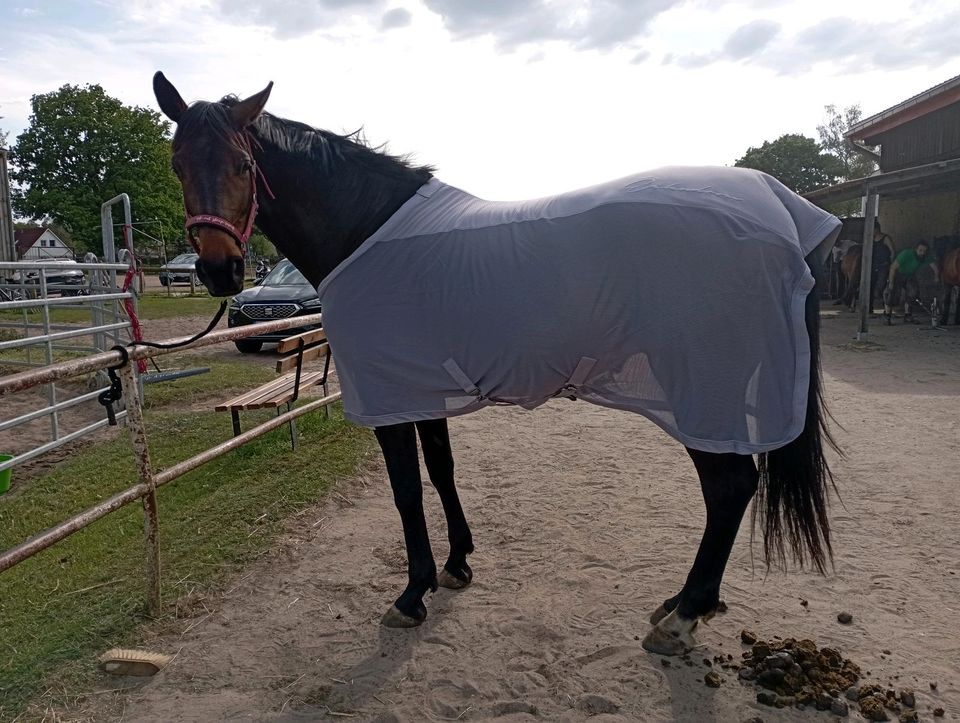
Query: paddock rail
column 149, row 479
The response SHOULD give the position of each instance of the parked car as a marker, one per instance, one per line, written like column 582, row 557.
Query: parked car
column 65, row 278
column 283, row 293
column 179, row 270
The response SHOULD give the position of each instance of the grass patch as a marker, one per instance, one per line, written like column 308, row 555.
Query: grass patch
column 224, row 378
column 161, row 306
column 151, row 306
column 62, row 607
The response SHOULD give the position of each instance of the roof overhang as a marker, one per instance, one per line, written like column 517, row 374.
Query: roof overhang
column 915, row 181
column 940, row 96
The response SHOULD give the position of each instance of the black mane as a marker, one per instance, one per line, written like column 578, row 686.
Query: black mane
column 321, row 146
column 332, row 191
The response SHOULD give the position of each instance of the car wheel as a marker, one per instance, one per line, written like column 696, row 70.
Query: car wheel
column 245, row 346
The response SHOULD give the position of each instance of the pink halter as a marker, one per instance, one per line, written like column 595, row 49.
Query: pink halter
column 206, row 219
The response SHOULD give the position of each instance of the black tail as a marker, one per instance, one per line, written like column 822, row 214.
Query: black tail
column 795, row 480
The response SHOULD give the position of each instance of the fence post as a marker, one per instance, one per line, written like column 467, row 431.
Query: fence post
column 138, row 438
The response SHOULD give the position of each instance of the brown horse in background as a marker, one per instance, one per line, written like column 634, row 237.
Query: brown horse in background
column 950, row 278
column 850, row 268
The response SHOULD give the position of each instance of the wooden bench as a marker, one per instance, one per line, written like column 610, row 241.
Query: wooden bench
column 285, row 390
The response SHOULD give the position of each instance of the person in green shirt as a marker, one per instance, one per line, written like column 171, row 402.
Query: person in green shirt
column 902, row 279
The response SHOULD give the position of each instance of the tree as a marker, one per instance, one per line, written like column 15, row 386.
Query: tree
column 853, row 163
column 833, row 140
column 260, row 246
column 795, row 160
column 82, row 148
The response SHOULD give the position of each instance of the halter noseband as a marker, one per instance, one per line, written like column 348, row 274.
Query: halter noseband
column 207, row 219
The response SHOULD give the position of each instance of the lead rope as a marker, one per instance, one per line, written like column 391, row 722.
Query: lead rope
column 115, row 393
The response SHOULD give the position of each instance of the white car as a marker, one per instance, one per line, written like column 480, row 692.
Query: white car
column 65, row 278
column 179, row 269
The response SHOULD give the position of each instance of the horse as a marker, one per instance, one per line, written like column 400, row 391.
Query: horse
column 323, row 199
column 850, row 268
column 950, row 278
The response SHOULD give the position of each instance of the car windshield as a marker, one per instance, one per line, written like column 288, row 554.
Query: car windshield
column 184, row 259
column 285, row 274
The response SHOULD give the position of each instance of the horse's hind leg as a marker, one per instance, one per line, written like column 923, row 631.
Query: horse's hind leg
column 399, row 445
column 728, row 482
column 435, row 442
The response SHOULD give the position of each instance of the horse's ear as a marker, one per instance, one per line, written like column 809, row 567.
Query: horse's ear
column 169, row 99
column 246, row 111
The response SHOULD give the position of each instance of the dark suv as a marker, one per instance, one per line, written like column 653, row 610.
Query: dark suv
column 282, row 294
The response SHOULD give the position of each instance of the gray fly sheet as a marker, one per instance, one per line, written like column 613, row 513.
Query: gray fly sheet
column 678, row 294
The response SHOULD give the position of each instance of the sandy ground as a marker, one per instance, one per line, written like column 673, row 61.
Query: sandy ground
column 584, row 520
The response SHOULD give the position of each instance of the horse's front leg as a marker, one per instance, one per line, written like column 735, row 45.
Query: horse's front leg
column 399, row 445
column 437, row 455
column 728, row 482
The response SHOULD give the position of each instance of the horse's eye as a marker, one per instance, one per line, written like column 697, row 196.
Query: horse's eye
column 246, row 165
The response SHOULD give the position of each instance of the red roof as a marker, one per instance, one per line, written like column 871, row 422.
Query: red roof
column 940, row 96
column 27, row 237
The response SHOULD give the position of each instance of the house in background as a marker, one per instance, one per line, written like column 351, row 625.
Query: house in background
column 40, row 244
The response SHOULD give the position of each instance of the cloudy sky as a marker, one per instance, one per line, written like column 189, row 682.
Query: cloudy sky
column 508, row 98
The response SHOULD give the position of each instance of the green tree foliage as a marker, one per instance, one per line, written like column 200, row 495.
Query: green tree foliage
column 795, row 160
column 834, row 142
column 82, row 148
column 853, row 164
column 260, row 247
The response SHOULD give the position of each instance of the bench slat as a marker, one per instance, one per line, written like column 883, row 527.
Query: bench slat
column 252, row 394
column 286, row 395
column 309, row 337
column 290, row 362
column 272, row 394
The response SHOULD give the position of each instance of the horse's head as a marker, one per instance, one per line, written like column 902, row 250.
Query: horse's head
column 213, row 159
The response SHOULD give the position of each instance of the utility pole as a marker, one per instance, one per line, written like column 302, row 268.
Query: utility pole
column 8, row 251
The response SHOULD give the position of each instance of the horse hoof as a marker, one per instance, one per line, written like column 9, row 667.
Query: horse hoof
column 396, row 619
column 661, row 643
column 659, row 614
column 451, row 582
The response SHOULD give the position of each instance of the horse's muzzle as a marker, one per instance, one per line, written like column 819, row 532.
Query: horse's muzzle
column 223, row 277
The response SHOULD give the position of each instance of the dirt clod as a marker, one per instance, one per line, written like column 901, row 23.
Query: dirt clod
column 712, row 679
column 796, row 673
column 872, row 708
column 845, row 618
column 839, row 707
column 938, row 712
column 748, row 636
column 765, row 697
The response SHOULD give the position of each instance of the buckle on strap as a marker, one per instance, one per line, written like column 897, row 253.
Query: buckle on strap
column 579, row 376
column 460, row 377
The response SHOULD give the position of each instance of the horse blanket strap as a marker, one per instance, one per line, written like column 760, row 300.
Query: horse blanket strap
column 454, row 370
column 579, row 376
column 678, row 294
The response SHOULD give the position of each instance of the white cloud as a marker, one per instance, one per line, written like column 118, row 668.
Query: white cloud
column 600, row 25
column 691, row 83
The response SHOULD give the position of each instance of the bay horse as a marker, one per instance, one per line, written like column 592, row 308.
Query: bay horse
column 322, row 198
column 850, row 268
column 950, row 278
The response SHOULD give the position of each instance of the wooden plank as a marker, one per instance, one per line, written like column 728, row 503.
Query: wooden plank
column 277, row 392
column 290, row 362
column 286, row 395
column 253, row 393
column 309, row 337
